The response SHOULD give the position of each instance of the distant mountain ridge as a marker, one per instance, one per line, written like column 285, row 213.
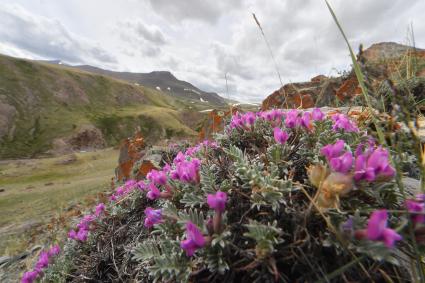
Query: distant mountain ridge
column 164, row 81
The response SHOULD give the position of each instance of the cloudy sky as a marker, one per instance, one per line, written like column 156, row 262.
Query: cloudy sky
column 202, row 40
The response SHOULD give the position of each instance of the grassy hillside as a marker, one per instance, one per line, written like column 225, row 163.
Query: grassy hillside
column 40, row 102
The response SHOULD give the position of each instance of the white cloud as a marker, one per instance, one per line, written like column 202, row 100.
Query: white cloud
column 44, row 37
column 201, row 40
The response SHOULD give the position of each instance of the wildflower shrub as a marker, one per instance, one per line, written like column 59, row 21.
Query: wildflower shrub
column 280, row 196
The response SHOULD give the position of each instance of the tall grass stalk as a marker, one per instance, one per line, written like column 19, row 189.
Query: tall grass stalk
column 361, row 80
column 271, row 55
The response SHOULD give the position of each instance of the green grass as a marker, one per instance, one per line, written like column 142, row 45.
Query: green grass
column 37, row 189
column 52, row 101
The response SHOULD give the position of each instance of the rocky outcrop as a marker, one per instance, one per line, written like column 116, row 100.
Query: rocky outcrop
column 379, row 62
column 87, row 137
column 320, row 90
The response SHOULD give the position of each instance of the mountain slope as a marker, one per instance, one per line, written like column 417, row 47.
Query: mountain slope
column 166, row 82
column 42, row 105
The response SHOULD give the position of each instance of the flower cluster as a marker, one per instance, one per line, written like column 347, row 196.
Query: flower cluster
column 44, row 259
column 292, row 118
column 369, row 165
column 83, row 227
column 342, row 122
column 121, row 191
column 377, row 229
column 186, row 170
column 243, row 121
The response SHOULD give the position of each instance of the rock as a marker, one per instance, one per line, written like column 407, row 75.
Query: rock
column 131, row 150
column 379, row 62
column 87, row 137
column 411, row 185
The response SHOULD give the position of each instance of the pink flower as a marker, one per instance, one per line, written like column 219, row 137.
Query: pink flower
column 318, row 115
column 280, row 136
column 187, row 171
column 341, row 122
column 179, row 158
column 158, row 177
column 72, row 234
column 194, row 239
column 217, row 201
column 43, row 260
column 142, row 185
column 306, row 120
column 154, row 192
column 361, row 171
column 292, row 120
column 153, row 216
column 342, row 163
column 167, row 168
column 417, row 208
column 100, row 208
column 82, row 235
column 377, row 229
column 54, row 250
column 29, row 276
column 333, row 150
column 249, row 119
column 372, row 165
column 130, row 183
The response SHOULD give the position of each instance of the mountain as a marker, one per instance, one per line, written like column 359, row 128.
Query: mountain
column 379, row 62
column 163, row 81
column 46, row 107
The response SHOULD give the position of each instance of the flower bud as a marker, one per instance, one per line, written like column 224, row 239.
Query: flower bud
column 317, row 174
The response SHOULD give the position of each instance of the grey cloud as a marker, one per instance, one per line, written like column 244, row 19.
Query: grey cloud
column 47, row 38
column 149, row 33
column 203, row 10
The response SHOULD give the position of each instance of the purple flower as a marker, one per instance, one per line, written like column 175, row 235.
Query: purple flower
column 371, row 166
column 333, row 150
column 306, row 120
column 361, row 171
column 187, row 171
column 43, row 260
column 377, row 229
column 318, row 115
column 194, row 239
column 179, row 158
column 72, row 234
column 249, row 118
column 130, row 183
column 280, row 136
column 343, row 163
column 153, row 216
column 82, row 235
column 54, row 250
column 417, row 209
column 341, row 122
column 100, row 208
column 158, row 177
column 217, row 201
column 142, row 185
column 292, row 120
column 29, row 276
column 154, row 192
